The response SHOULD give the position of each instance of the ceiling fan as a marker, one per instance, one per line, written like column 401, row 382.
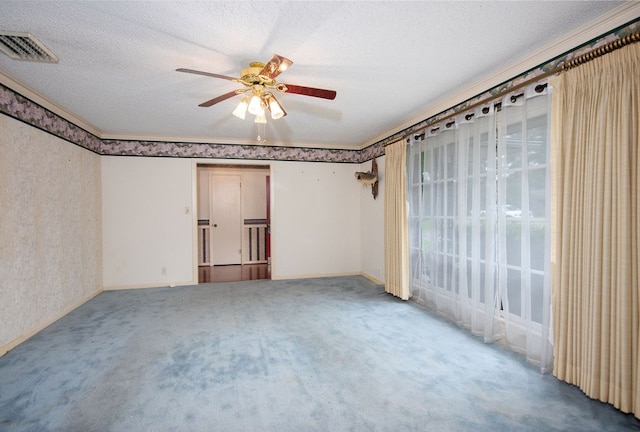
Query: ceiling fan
column 260, row 80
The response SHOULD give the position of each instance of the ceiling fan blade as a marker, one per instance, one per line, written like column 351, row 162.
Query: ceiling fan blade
column 310, row 91
column 275, row 66
column 209, row 74
column 218, row 99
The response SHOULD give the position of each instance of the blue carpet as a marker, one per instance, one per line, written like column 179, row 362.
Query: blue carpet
column 326, row 354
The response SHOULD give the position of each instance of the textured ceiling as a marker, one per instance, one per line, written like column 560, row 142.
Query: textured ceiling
column 390, row 62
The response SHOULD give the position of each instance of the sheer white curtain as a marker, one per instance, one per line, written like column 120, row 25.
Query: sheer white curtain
column 524, row 224
column 452, row 206
column 479, row 222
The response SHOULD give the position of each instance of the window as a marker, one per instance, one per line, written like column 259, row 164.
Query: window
column 479, row 223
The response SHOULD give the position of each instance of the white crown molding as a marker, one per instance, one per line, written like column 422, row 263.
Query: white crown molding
column 619, row 16
column 29, row 93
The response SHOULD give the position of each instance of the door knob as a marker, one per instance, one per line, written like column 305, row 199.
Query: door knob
column 215, row 225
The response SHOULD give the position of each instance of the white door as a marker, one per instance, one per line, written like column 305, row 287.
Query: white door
column 226, row 219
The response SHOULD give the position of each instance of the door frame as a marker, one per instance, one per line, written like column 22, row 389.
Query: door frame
column 228, row 166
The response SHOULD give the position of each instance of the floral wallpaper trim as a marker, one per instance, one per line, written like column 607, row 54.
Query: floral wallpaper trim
column 21, row 108
column 226, row 151
column 17, row 106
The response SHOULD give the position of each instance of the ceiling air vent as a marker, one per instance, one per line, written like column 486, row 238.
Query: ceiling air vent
column 24, row 46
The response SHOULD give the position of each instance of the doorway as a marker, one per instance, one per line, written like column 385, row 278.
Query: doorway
column 233, row 222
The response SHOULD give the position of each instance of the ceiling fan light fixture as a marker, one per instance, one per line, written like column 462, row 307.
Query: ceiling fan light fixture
column 261, row 118
column 241, row 109
column 255, row 105
column 277, row 112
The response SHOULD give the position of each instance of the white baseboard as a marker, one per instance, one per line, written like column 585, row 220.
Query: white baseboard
column 372, row 279
column 17, row 341
column 310, row 276
column 149, row 285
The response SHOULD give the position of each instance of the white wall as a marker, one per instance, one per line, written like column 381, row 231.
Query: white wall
column 324, row 222
column 372, row 225
column 315, row 219
column 50, row 217
column 148, row 224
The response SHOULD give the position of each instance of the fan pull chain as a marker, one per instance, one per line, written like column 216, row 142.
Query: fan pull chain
column 262, row 132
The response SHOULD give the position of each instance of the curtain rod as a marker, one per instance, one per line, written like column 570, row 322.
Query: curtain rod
column 578, row 61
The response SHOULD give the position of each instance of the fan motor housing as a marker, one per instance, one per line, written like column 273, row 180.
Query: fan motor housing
column 251, row 75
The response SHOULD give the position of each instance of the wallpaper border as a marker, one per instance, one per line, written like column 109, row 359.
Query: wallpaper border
column 27, row 111
column 24, row 109
column 227, row 151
